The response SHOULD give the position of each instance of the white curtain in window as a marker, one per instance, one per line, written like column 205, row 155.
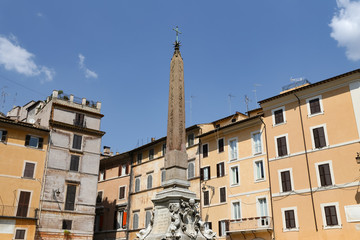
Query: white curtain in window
column 191, row 170
column 257, row 142
column 236, row 210
column 233, row 149
column 235, row 175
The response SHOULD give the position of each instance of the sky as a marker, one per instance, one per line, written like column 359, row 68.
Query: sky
column 119, row 52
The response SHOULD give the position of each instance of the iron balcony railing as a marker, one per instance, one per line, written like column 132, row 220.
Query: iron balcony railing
column 80, row 123
column 18, row 211
column 250, row 224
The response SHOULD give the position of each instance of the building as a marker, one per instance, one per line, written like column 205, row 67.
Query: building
column 23, row 148
column 112, row 203
column 313, row 136
column 234, row 178
column 67, row 207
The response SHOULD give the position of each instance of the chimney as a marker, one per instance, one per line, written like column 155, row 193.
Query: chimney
column 106, row 150
column 71, row 98
column 55, row 94
column 152, row 139
column 98, row 105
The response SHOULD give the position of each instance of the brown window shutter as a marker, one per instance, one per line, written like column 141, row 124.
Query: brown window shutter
column 41, row 143
column 70, row 197
column 127, row 168
column 201, row 174
column 206, row 198
column 29, row 170
column 74, row 163
column 205, row 150
column 227, row 225
column 218, row 170
column 3, row 136
column 115, row 220
column 223, row 194
column 122, row 193
column 27, row 140
column 23, row 204
column 20, row 234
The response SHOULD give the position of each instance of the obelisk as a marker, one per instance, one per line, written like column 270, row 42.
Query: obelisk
column 175, row 215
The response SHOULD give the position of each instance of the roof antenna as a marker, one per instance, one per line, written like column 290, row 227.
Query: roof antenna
column 247, row 100
column 3, row 97
column 230, row 97
column 256, row 101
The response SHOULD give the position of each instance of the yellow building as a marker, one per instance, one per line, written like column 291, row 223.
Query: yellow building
column 23, row 148
column 313, row 136
column 235, row 187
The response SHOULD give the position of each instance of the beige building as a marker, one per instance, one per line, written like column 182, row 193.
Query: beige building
column 313, row 136
column 23, row 148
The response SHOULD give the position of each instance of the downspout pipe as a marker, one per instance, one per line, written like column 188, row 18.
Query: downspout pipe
column 129, row 196
column 307, row 162
column 268, row 170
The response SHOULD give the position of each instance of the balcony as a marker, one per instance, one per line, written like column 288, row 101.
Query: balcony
column 18, row 212
column 80, row 123
column 253, row 224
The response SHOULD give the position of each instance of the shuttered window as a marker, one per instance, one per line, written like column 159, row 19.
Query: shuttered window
column 35, row 142
column 135, row 221
column 223, row 227
column 205, row 173
column 29, row 170
column 319, row 137
column 122, row 192
column 137, row 184
column 139, row 158
column 23, row 204
column 190, row 139
column 279, row 116
column 220, row 169
column 66, row 224
column 99, row 197
column 20, row 234
column 3, row 134
column 315, row 106
column 147, row 218
column 206, row 198
column 163, row 175
column 286, row 181
column 151, row 154
column 281, row 146
column 222, row 194
column 331, row 216
column 77, row 142
column 325, row 175
column 149, row 181
column 79, row 120
column 205, row 150
column 74, row 163
column 191, row 170
column 234, row 175
column 164, row 149
column 221, row 145
column 290, row 219
column 70, row 197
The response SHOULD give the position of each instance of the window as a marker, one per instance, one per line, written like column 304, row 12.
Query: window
column 223, row 227
column 259, row 170
column 70, row 197
column 330, row 215
column 79, row 120
column 163, row 175
column 151, row 154
column 205, row 150
column 289, row 216
column 102, row 175
column 190, row 139
column 222, row 194
column 29, row 170
column 262, row 208
column 123, row 169
column 235, row 175
column 256, row 141
column 3, row 134
column 99, row 197
column 324, row 173
column 20, row 234
column 35, row 142
column 206, row 198
column 147, row 218
column 139, row 158
column 207, row 225
column 77, row 142
column 278, row 116
column 120, row 219
column 122, row 192
column 164, row 149
column 23, row 204
column 74, row 163
column 319, row 138
column 220, row 145
column 191, row 170
column 220, row 169
column 149, row 181
column 282, row 149
column 236, row 211
column 233, row 149
column 135, row 220
column 314, row 106
column 205, row 173
column 286, row 180
column 137, row 184
column 66, row 224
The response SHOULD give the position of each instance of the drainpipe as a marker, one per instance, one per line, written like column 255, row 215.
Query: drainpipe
column 307, row 163
column 201, row 208
column 268, row 170
column 129, row 196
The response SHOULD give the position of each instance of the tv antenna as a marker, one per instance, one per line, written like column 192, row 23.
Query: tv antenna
column 247, row 100
column 190, row 101
column 230, row 97
column 3, row 97
column 255, row 93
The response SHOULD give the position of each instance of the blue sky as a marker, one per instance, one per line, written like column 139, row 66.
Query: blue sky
column 118, row 52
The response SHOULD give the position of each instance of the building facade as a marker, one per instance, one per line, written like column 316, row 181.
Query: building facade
column 23, row 148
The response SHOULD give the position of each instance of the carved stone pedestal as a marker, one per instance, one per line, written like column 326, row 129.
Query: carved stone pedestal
column 176, row 217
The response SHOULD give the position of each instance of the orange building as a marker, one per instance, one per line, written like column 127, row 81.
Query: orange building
column 23, row 148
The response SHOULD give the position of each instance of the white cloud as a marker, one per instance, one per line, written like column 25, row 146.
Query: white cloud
column 346, row 27
column 15, row 58
column 88, row 73
column 39, row 14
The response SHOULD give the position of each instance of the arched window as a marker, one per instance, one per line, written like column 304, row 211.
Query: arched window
column 137, row 184
column 191, row 170
column 135, row 221
column 163, row 175
column 147, row 218
column 149, row 181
